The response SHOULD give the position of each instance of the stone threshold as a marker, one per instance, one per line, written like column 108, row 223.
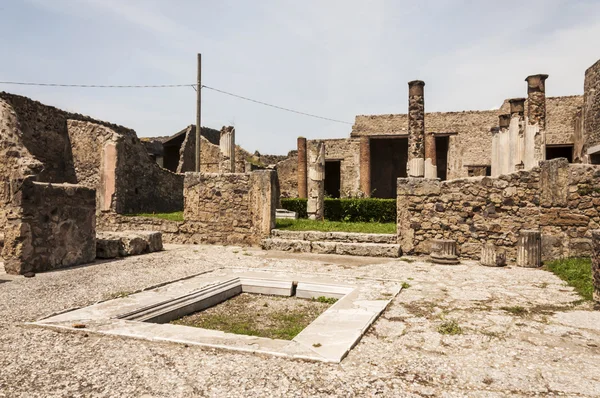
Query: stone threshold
column 329, row 338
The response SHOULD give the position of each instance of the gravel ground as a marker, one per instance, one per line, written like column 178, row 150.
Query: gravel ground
column 552, row 347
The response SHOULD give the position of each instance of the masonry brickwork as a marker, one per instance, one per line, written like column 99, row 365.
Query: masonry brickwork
column 230, row 208
column 557, row 198
column 591, row 106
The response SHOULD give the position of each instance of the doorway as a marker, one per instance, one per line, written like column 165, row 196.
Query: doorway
column 441, row 157
column 333, row 180
column 559, row 151
column 388, row 163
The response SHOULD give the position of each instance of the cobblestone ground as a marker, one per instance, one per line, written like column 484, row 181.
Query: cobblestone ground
column 462, row 330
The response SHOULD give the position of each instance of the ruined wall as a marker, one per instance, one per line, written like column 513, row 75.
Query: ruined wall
column 470, row 146
column 288, row 179
column 55, row 227
column 69, row 147
column 591, row 107
column 559, row 198
column 347, row 151
column 229, row 208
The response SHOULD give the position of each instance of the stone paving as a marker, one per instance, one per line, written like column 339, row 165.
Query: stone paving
column 462, row 330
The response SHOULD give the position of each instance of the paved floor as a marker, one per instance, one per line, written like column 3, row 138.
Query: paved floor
column 520, row 332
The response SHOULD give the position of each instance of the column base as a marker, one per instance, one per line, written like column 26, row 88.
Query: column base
column 416, row 167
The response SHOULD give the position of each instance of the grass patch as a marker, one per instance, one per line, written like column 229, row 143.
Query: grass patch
column 325, row 300
column 405, row 285
column 515, row 310
column 336, row 226
column 257, row 315
column 577, row 272
column 450, row 327
column 117, row 295
column 175, row 216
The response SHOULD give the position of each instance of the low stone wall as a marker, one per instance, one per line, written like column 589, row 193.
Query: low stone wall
column 54, row 226
column 230, row 208
column 560, row 199
column 219, row 208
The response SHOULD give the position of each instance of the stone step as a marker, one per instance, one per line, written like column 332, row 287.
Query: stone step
column 348, row 237
column 333, row 247
column 127, row 243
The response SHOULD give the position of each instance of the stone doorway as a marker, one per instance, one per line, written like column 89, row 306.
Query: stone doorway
column 441, row 157
column 388, row 163
column 333, row 178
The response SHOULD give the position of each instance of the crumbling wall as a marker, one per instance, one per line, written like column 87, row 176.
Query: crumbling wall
column 560, row 199
column 591, row 107
column 69, row 147
column 229, row 208
column 287, row 173
column 347, row 151
column 471, row 211
column 56, row 227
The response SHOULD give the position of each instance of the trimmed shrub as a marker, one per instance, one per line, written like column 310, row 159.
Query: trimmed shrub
column 350, row 210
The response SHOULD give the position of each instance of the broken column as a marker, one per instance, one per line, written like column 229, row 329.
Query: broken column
column 365, row 166
column 596, row 265
column 502, row 147
column 443, row 251
column 315, row 206
column 227, row 147
column 416, row 129
column 430, row 156
column 535, row 134
column 491, row 256
column 495, row 160
column 529, row 249
column 302, row 189
column 517, row 131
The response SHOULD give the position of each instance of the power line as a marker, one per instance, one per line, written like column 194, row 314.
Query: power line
column 176, row 85
column 275, row 106
column 96, row 85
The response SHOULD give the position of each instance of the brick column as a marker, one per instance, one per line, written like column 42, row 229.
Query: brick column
column 315, row 206
column 430, row 156
column 301, row 174
column 365, row 165
column 536, row 118
column 416, row 129
column 517, row 114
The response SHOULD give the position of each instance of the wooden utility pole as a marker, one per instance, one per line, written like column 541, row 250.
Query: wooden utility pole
column 198, row 112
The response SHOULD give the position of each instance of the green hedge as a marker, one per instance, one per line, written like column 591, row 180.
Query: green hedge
column 352, row 210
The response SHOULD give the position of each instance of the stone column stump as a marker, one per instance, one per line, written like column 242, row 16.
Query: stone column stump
column 491, row 256
column 596, row 264
column 443, row 251
column 529, row 249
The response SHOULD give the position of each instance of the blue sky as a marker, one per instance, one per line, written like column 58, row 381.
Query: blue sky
column 331, row 58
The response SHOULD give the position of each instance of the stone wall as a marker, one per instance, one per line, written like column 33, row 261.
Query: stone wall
column 230, row 208
column 287, row 174
column 52, row 226
column 347, row 151
column 558, row 198
column 63, row 147
column 591, row 107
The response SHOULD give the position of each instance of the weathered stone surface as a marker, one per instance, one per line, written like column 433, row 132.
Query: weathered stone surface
column 323, row 247
column 368, row 249
column 153, row 238
column 591, row 108
column 443, row 251
column 315, row 207
column 529, row 249
column 294, row 235
column 302, row 168
column 227, row 147
column 229, row 208
column 107, row 247
column 55, row 228
column 491, row 256
column 365, row 166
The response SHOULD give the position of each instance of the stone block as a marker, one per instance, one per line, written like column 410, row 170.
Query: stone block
column 324, row 247
column 153, row 238
column 368, row 249
column 107, row 247
column 295, row 235
column 286, row 245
